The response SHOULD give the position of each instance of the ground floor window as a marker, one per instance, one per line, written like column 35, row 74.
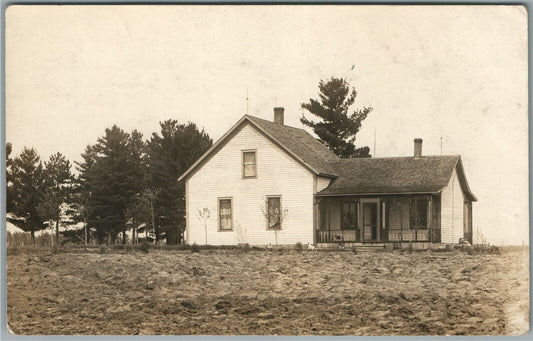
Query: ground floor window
column 225, row 214
column 349, row 215
column 419, row 215
column 274, row 213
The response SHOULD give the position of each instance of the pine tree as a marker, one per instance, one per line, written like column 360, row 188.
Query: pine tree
column 167, row 156
column 27, row 191
column 109, row 185
column 141, row 211
column 9, row 178
column 58, row 184
column 337, row 128
column 136, row 159
column 136, row 177
column 110, row 176
column 81, row 189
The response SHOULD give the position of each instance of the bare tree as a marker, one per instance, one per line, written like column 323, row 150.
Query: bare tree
column 241, row 233
column 203, row 215
column 480, row 238
column 274, row 214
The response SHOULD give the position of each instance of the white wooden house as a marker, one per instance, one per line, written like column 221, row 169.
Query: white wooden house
column 260, row 167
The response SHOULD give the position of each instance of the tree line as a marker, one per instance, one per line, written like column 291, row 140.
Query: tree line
column 122, row 183
column 126, row 183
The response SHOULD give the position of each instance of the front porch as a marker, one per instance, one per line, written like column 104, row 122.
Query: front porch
column 379, row 219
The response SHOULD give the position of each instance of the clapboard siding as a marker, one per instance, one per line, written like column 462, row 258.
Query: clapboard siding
column 452, row 202
column 322, row 182
column 277, row 174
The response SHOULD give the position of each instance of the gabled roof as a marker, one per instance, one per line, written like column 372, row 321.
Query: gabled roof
column 357, row 176
column 396, row 175
column 298, row 143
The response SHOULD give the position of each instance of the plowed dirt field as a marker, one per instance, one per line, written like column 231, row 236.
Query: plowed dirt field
column 269, row 292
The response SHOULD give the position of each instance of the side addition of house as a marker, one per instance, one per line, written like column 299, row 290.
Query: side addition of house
column 259, row 167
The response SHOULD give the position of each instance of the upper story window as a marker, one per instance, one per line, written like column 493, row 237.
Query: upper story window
column 249, row 164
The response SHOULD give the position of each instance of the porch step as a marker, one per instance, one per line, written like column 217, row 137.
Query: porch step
column 370, row 247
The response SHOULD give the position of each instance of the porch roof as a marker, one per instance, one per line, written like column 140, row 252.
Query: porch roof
column 396, row 175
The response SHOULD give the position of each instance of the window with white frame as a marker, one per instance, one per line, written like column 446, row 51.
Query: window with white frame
column 249, row 164
column 274, row 213
column 225, row 214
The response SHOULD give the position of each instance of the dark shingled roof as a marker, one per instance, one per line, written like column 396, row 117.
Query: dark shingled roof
column 301, row 144
column 427, row 174
column 358, row 176
column 296, row 142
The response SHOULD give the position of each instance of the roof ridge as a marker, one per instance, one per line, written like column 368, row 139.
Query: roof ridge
column 281, row 125
column 398, row 157
column 301, row 143
column 393, row 175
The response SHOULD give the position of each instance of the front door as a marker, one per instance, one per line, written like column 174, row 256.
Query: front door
column 370, row 221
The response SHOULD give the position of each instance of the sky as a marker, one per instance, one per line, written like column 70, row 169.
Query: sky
column 456, row 72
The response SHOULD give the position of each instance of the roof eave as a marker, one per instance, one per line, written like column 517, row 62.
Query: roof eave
column 224, row 137
column 212, row 149
column 282, row 146
column 326, row 175
column 467, row 190
column 374, row 193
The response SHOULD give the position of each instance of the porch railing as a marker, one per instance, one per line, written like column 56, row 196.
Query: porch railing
column 424, row 235
column 350, row 236
column 336, row 236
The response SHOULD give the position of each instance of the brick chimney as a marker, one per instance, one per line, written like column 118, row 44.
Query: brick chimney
column 418, row 148
column 278, row 115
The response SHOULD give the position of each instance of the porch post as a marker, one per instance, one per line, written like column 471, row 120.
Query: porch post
column 430, row 218
column 341, row 221
column 379, row 223
column 401, row 220
column 470, row 223
column 416, row 218
column 328, row 213
column 316, row 221
column 387, row 219
column 360, row 227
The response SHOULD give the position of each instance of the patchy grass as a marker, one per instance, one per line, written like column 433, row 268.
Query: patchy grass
column 283, row 292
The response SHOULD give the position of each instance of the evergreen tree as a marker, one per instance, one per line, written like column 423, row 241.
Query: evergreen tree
column 81, row 189
column 136, row 159
column 136, row 181
column 141, row 211
column 110, row 176
column 27, row 191
column 108, row 183
column 58, row 184
column 337, row 128
column 168, row 155
column 9, row 178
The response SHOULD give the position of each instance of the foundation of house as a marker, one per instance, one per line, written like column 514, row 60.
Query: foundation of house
column 384, row 246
